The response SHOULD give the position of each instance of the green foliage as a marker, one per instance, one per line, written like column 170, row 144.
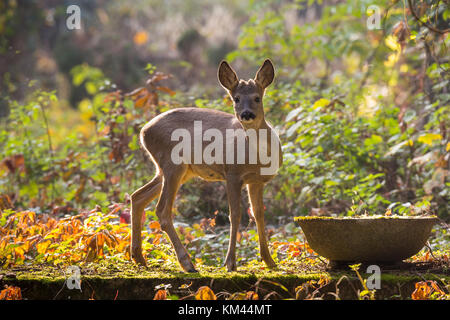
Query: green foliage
column 350, row 145
column 363, row 116
column 80, row 171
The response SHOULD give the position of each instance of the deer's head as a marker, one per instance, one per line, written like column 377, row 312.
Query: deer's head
column 247, row 95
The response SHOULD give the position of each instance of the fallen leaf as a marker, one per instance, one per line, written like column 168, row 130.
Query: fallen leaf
column 422, row 291
column 205, row 293
column 161, row 294
column 11, row 293
column 252, row 295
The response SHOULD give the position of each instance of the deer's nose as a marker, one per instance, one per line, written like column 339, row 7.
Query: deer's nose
column 247, row 115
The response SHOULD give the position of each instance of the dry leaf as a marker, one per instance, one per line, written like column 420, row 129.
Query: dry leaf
column 205, row 293
column 252, row 295
column 161, row 294
column 155, row 225
column 11, row 293
column 422, row 291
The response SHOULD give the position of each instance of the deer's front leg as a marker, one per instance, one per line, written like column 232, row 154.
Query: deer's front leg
column 255, row 193
column 234, row 187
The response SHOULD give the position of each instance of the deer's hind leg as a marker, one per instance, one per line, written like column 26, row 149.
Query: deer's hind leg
column 173, row 178
column 139, row 200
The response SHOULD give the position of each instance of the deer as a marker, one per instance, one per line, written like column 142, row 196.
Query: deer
column 156, row 138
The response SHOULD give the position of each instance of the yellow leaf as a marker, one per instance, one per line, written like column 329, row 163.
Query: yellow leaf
column 140, row 38
column 422, row 291
column 205, row 293
column 252, row 295
column 391, row 43
column 196, row 226
column 185, row 286
column 355, row 267
column 157, row 238
column 435, row 286
column 19, row 251
column 392, row 60
column 321, row 103
column 429, row 138
column 448, row 147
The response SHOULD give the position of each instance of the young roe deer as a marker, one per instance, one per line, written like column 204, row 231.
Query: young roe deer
column 157, row 139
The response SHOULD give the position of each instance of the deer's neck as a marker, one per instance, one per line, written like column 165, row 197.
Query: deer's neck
column 262, row 130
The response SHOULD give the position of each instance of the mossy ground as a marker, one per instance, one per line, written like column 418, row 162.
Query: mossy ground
column 125, row 280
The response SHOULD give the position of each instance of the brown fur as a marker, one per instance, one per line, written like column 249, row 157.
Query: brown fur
column 156, row 139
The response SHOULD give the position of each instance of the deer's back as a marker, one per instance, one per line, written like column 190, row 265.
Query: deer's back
column 156, row 137
column 159, row 130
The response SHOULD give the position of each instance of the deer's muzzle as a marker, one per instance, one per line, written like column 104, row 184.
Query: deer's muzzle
column 247, row 116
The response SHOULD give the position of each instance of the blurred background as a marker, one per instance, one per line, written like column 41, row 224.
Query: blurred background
column 360, row 98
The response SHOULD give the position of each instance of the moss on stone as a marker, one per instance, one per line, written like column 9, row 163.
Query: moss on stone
column 106, row 280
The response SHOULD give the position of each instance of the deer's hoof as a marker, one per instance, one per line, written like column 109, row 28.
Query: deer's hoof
column 271, row 265
column 231, row 266
column 193, row 270
column 139, row 258
column 189, row 268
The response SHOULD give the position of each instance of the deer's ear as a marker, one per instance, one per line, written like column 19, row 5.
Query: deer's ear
column 227, row 77
column 265, row 74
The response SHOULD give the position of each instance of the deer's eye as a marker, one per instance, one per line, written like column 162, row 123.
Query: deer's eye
column 236, row 99
column 257, row 99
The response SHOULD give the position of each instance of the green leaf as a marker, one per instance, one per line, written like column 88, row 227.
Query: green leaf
column 293, row 129
column 396, row 148
column 293, row 114
column 373, row 140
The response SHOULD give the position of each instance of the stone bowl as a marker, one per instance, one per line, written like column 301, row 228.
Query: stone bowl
column 383, row 239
